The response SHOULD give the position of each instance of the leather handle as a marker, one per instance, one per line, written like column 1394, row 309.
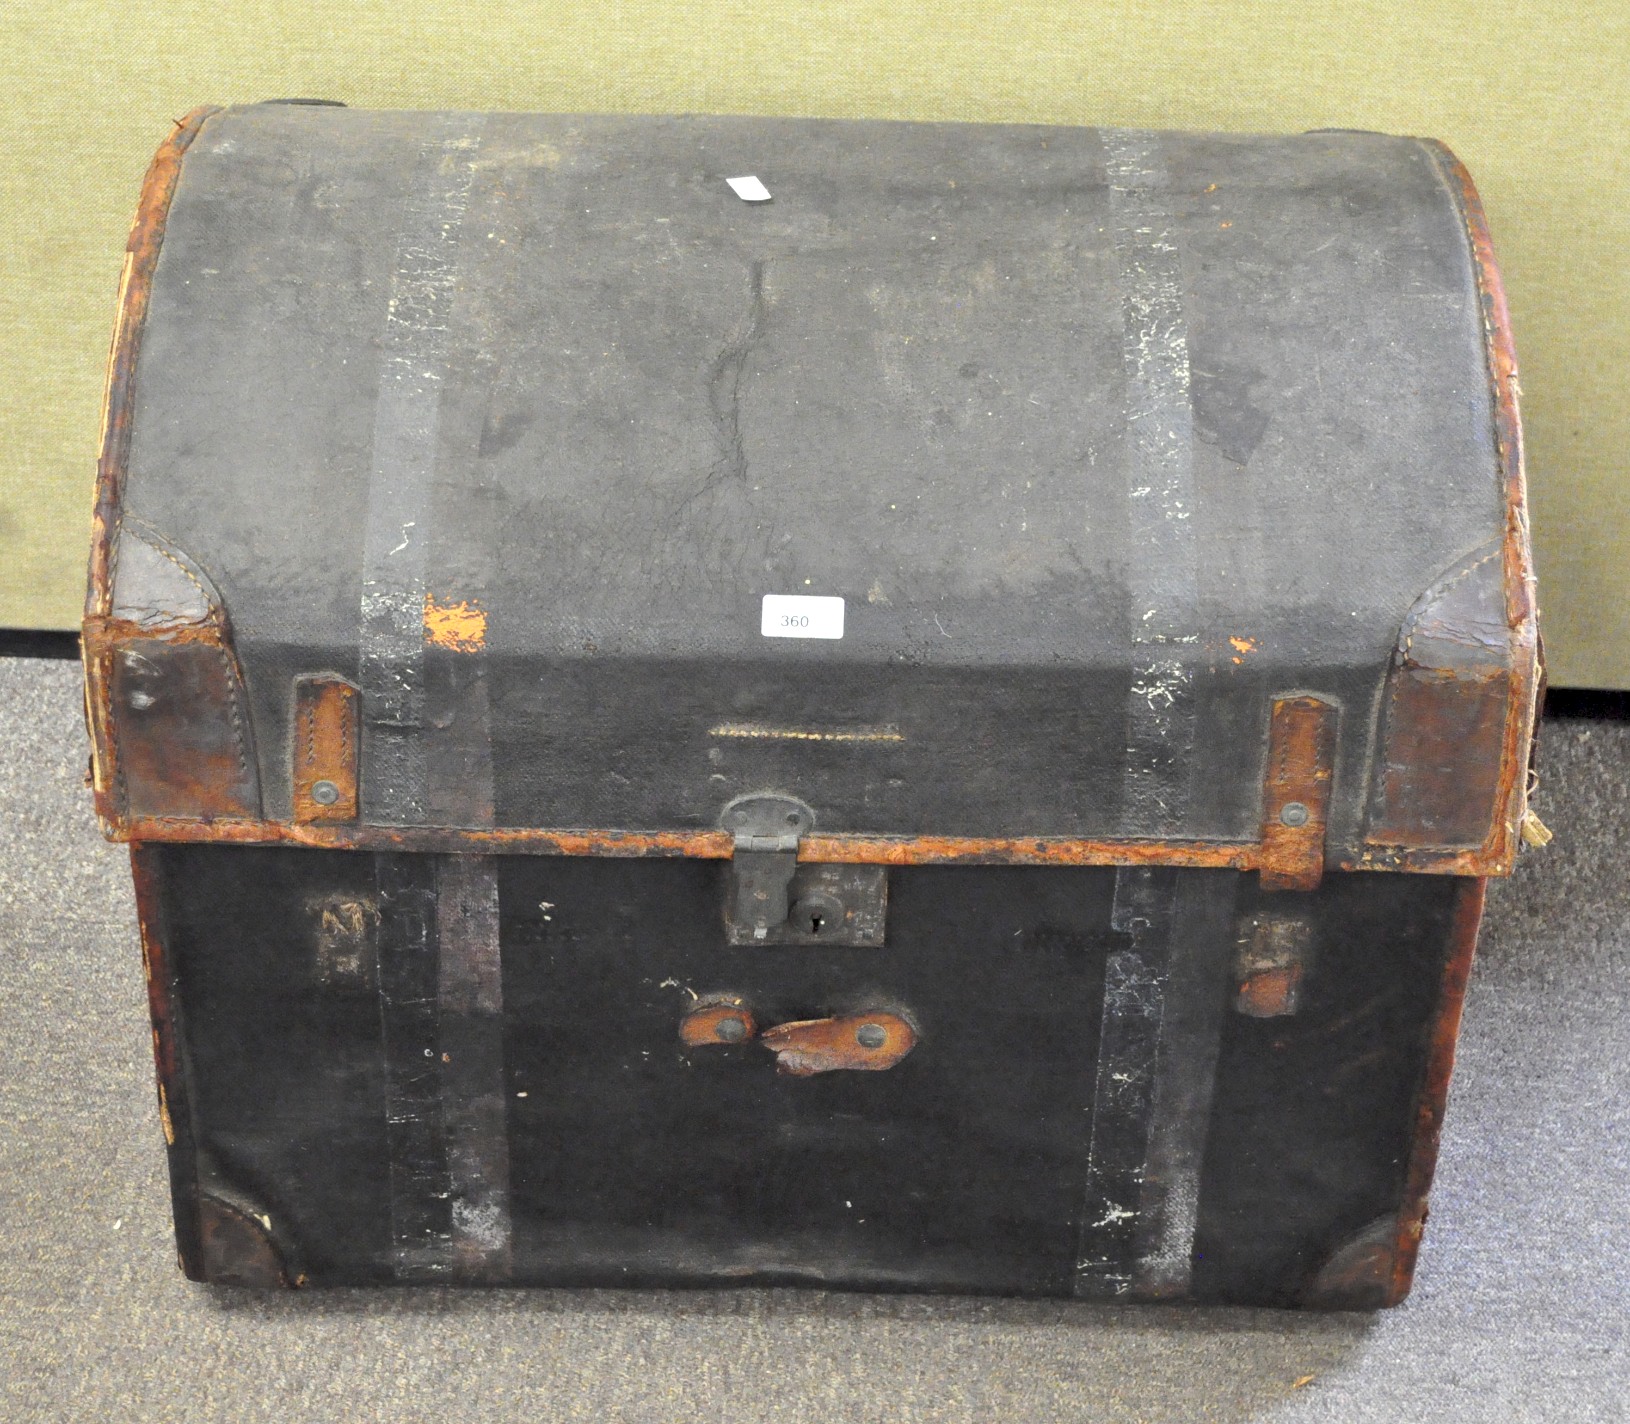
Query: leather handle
column 865, row 1043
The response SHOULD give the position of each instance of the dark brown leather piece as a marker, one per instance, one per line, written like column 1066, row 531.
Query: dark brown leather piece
column 165, row 698
column 1271, row 960
column 238, row 1249
column 1446, row 711
column 1358, row 1276
column 183, row 745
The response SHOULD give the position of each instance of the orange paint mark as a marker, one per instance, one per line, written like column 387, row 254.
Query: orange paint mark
column 1225, row 224
column 461, row 627
column 1243, row 645
column 1211, row 187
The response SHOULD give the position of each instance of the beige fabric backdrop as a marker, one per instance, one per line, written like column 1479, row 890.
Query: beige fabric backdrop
column 1532, row 94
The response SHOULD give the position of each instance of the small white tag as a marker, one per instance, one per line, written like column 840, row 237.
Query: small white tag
column 749, row 189
column 801, row 615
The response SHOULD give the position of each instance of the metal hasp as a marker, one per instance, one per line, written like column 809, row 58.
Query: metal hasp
column 772, row 899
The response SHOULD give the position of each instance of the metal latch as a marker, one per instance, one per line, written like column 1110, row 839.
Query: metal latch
column 774, row 900
column 767, row 830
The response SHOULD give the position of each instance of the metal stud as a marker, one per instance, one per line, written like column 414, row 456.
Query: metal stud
column 1293, row 813
column 871, row 1035
column 324, row 793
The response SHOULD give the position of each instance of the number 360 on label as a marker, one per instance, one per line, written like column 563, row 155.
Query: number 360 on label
column 801, row 615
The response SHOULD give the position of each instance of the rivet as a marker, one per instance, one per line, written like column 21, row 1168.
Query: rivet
column 871, row 1035
column 324, row 793
column 1293, row 813
column 731, row 1030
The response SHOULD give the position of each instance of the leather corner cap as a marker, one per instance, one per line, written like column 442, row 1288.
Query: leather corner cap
column 165, row 697
column 238, row 1247
column 1441, row 772
column 1358, row 1275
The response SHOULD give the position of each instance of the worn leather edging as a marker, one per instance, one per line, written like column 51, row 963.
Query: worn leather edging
column 1499, row 852
column 719, row 845
column 118, row 407
column 118, row 401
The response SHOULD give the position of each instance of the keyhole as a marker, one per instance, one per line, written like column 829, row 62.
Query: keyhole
column 817, row 913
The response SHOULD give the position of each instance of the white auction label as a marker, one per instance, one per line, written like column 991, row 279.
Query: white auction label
column 801, row 615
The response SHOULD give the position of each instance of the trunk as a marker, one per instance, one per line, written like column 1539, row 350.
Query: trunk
column 942, row 729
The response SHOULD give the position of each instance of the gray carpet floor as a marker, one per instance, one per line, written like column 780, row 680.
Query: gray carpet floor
column 1519, row 1310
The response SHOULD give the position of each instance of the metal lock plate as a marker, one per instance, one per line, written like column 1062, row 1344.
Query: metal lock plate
column 772, row 899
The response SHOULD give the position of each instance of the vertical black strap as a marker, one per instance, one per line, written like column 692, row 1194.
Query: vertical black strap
column 441, row 1021
column 410, row 1028
column 472, row 1058
column 1164, row 998
column 1199, row 951
column 1135, row 986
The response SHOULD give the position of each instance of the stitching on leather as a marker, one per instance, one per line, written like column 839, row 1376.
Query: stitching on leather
column 1281, row 768
column 113, row 556
column 1435, row 594
column 110, row 726
column 230, row 665
column 121, row 790
column 347, row 748
column 210, row 601
column 1485, row 316
column 1276, row 771
column 310, row 697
